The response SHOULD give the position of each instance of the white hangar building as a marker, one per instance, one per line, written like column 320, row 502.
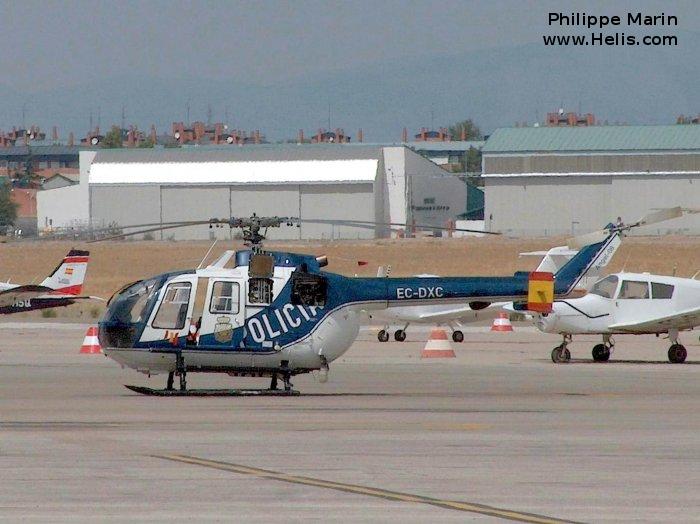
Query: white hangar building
column 542, row 181
column 345, row 182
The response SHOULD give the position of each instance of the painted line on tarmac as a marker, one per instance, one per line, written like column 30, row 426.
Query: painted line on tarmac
column 396, row 496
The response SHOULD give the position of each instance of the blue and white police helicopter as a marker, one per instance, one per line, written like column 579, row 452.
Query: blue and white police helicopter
column 275, row 314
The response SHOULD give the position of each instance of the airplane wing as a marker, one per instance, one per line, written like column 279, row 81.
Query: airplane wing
column 55, row 296
column 686, row 319
column 36, row 293
column 15, row 294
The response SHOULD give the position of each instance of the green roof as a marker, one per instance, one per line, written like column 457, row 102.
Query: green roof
column 594, row 138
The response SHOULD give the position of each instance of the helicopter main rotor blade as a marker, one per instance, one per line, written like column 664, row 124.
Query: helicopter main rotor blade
column 357, row 223
column 254, row 224
column 149, row 230
column 660, row 215
column 654, row 217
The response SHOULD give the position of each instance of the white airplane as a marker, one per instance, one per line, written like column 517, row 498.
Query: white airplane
column 455, row 315
column 626, row 303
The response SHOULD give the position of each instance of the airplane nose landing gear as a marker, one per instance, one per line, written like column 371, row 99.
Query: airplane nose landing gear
column 561, row 353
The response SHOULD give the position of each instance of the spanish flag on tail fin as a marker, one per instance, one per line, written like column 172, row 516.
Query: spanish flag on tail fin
column 540, row 292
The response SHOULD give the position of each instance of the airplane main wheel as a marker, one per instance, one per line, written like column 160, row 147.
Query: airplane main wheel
column 457, row 336
column 400, row 335
column 677, row 353
column 601, row 353
column 383, row 336
column 560, row 354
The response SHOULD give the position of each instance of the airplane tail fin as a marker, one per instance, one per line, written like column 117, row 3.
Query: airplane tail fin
column 590, row 259
column 69, row 275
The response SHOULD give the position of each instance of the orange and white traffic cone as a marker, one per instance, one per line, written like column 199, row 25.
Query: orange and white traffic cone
column 91, row 344
column 438, row 345
column 502, row 323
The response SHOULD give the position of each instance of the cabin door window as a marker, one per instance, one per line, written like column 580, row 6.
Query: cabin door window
column 223, row 315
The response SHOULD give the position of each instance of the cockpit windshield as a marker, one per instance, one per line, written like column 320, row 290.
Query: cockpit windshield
column 606, row 287
column 131, row 304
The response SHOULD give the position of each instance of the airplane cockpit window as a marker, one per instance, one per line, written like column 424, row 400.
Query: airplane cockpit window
column 224, row 298
column 631, row 289
column 661, row 290
column 172, row 312
column 605, row 287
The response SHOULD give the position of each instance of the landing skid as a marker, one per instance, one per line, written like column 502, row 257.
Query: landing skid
column 214, row 392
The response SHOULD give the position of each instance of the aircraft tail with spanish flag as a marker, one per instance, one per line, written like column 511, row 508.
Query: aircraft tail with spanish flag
column 68, row 277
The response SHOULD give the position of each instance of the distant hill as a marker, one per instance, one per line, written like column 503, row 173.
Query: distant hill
column 495, row 87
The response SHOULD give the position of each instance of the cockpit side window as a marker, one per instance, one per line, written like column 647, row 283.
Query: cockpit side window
column 633, row 289
column 130, row 304
column 606, row 287
column 172, row 312
column 661, row 290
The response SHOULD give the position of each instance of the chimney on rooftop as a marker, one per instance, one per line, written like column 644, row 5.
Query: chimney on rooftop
column 404, row 135
column 359, row 135
column 300, row 137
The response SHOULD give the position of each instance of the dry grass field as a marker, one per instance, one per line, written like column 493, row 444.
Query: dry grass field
column 114, row 264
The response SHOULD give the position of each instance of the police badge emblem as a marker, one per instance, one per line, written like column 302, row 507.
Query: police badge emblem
column 223, row 330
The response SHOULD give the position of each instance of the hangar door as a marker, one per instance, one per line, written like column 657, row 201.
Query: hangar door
column 341, row 202
column 194, row 203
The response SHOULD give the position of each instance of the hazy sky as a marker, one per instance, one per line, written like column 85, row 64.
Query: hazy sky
column 50, row 44
column 382, row 64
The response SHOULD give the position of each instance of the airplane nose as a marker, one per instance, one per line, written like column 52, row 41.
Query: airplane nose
column 546, row 322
